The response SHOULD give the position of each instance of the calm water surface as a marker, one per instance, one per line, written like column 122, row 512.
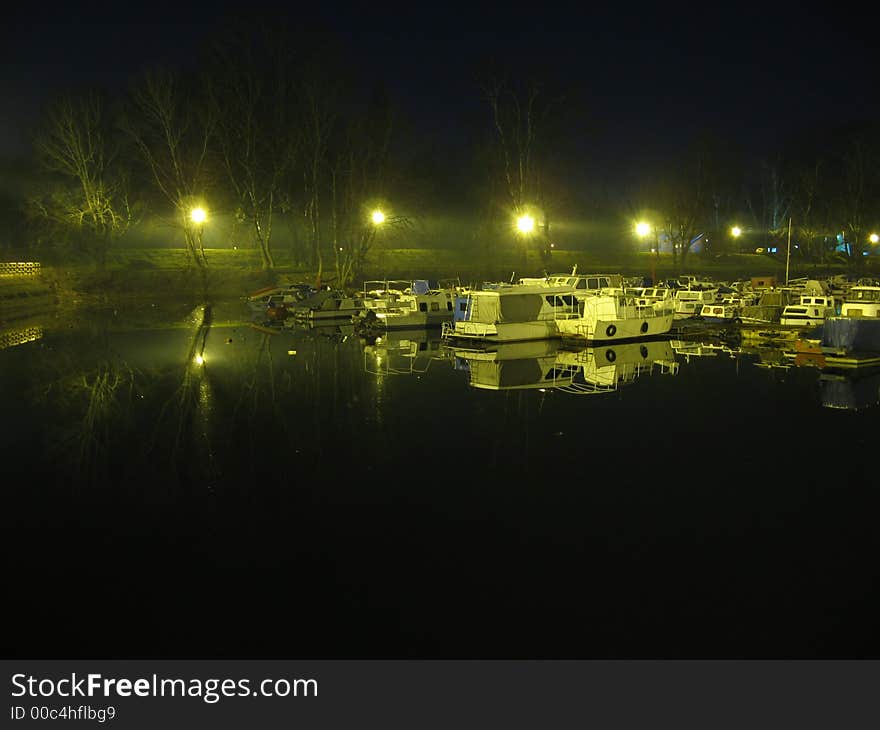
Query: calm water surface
column 183, row 484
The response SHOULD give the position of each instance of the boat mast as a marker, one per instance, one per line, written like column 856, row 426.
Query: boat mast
column 788, row 252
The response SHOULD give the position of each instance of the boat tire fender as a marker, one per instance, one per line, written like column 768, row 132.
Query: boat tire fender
column 610, row 355
column 644, row 327
column 610, row 330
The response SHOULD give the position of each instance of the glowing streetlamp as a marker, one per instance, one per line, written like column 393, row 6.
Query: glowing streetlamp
column 736, row 231
column 198, row 216
column 873, row 238
column 378, row 217
column 643, row 229
column 525, row 224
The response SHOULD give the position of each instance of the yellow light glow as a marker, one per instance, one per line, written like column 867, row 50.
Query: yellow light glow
column 643, row 229
column 198, row 215
column 735, row 231
column 873, row 238
column 200, row 360
column 525, row 223
column 378, row 217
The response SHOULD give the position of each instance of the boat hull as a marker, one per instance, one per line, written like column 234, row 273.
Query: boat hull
column 615, row 330
column 503, row 331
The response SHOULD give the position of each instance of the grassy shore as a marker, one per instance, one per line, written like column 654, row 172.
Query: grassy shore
column 164, row 274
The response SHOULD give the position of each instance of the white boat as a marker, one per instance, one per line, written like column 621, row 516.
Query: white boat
column 611, row 317
column 861, row 301
column 810, row 311
column 417, row 306
column 511, row 313
column 689, row 302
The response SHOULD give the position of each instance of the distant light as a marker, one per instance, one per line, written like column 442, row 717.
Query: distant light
column 735, row 231
column 340, row 248
column 552, row 245
column 198, row 215
column 525, row 223
column 291, row 352
column 873, row 238
column 643, row 229
column 378, row 217
column 200, row 360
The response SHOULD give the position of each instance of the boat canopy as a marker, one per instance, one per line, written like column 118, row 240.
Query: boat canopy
column 511, row 307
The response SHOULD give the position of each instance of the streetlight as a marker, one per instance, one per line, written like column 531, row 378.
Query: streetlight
column 643, row 229
column 736, row 231
column 873, row 238
column 525, row 223
column 198, row 216
column 378, row 217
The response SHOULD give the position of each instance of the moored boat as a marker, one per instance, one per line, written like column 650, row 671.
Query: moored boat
column 612, row 317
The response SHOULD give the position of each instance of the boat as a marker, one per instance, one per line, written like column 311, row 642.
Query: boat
column 420, row 305
column 526, row 310
column 327, row 304
column 810, row 311
column 689, row 302
column 861, row 301
column 275, row 296
column 512, row 313
column 610, row 317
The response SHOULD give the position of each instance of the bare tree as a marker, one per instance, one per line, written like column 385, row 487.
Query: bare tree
column 319, row 117
column 76, row 144
column 172, row 131
column 859, row 194
column 251, row 98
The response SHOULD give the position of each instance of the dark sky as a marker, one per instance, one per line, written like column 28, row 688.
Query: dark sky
column 641, row 80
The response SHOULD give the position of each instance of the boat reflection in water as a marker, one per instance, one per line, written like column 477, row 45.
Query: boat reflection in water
column 604, row 369
column 545, row 365
column 402, row 352
column 514, row 366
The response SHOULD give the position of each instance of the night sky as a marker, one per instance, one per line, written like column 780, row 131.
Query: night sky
column 638, row 82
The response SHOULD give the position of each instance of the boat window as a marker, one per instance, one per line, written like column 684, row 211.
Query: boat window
column 435, row 306
column 582, row 284
column 423, row 346
column 423, row 306
column 592, row 283
column 462, row 307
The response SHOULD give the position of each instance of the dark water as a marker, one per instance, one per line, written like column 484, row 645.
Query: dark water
column 195, row 487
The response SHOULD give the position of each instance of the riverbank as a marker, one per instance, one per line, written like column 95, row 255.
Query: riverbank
column 154, row 276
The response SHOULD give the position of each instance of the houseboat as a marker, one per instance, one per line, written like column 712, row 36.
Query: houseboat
column 611, row 317
column 511, row 313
